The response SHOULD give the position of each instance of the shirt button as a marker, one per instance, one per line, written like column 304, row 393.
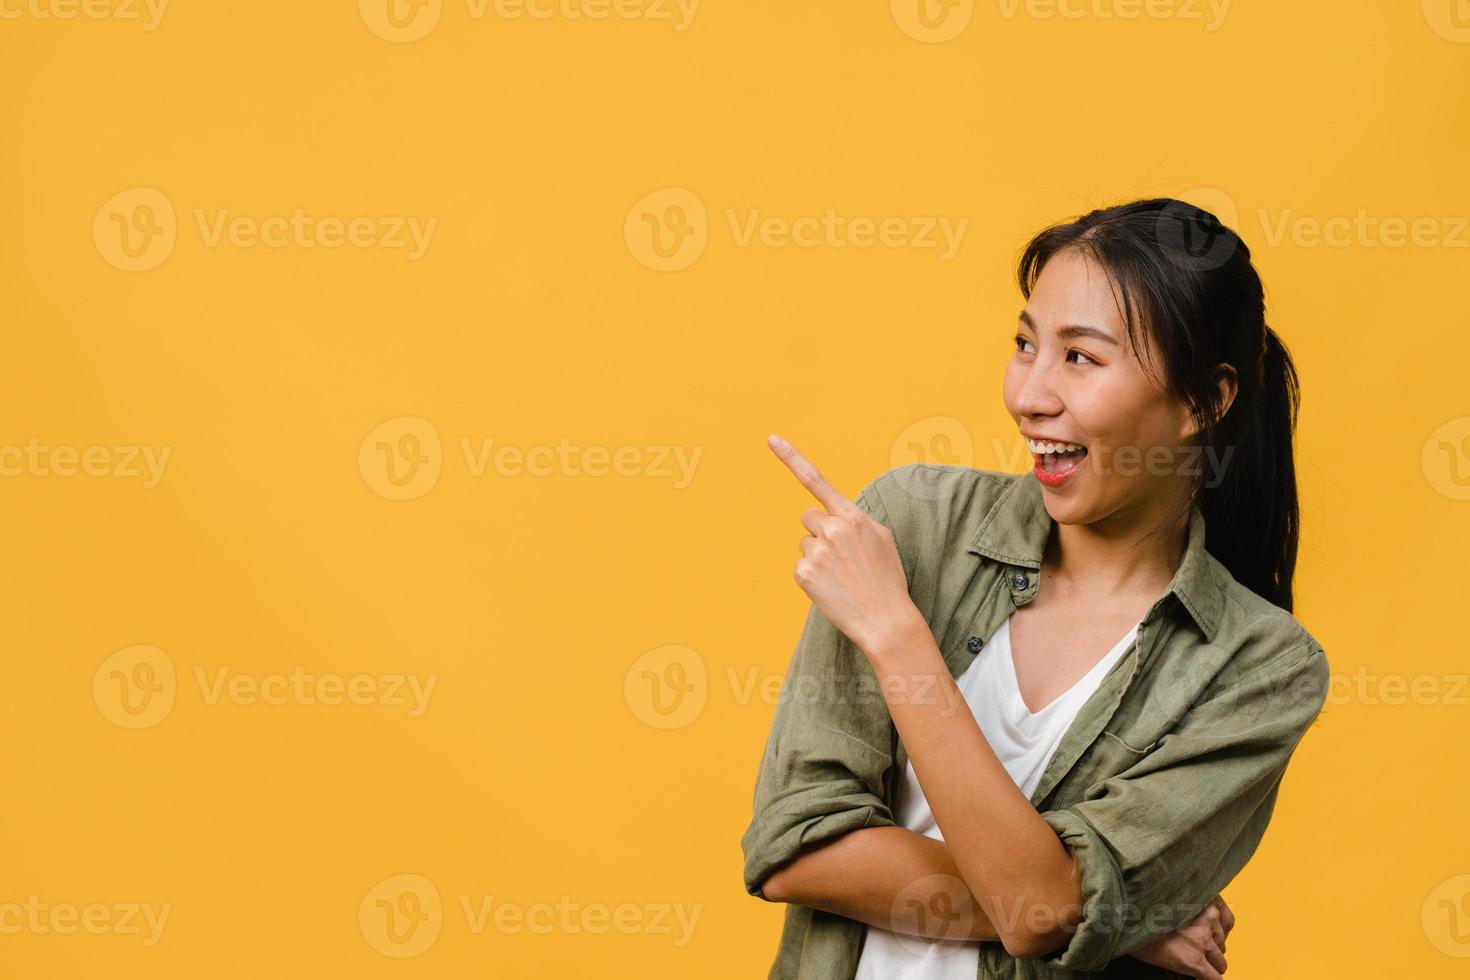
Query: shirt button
column 1019, row 581
column 974, row 644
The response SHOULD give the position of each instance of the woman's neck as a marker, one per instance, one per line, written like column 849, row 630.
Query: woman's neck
column 1111, row 558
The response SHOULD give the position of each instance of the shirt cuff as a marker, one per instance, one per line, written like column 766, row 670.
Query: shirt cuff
column 1094, row 943
column 773, row 843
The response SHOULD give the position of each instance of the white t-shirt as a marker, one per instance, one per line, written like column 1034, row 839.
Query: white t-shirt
column 1024, row 743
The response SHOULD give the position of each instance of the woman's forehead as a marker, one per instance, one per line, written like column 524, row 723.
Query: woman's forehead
column 1074, row 289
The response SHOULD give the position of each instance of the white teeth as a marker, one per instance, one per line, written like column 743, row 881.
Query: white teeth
column 1051, row 447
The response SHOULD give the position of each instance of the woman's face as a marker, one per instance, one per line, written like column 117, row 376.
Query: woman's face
column 1075, row 378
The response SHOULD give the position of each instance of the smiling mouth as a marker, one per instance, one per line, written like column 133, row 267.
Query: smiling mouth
column 1054, row 462
column 1060, row 462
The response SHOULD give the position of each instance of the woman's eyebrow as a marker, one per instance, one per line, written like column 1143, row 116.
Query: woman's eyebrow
column 1081, row 330
column 1073, row 330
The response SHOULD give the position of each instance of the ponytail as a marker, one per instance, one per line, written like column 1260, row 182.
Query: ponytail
column 1252, row 516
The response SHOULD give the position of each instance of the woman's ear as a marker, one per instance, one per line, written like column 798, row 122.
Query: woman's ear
column 1228, row 385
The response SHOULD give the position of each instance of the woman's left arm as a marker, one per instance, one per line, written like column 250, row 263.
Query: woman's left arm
column 1147, row 849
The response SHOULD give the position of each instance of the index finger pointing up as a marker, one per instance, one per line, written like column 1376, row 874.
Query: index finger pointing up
column 810, row 478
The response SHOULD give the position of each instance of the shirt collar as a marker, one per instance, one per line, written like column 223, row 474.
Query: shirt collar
column 1016, row 528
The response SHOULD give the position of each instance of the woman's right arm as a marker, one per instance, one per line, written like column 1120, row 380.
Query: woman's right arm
column 888, row 877
column 829, row 756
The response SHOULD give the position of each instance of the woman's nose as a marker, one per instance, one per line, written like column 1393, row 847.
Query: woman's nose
column 1037, row 394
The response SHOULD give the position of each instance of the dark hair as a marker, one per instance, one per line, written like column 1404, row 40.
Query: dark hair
column 1202, row 300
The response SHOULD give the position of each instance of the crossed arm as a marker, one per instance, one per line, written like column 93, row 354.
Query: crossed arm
column 867, row 874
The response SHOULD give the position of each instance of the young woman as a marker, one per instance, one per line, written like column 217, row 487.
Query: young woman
column 1035, row 723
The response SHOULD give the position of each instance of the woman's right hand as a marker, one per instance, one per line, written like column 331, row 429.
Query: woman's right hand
column 1197, row 949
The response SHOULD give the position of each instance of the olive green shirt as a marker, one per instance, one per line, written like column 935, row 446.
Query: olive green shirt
column 1161, row 788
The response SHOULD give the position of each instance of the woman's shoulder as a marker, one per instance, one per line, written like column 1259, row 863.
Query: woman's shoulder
column 931, row 489
column 935, row 500
column 936, row 513
column 1261, row 635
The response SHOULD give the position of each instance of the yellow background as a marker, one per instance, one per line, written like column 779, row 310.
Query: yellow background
column 541, row 772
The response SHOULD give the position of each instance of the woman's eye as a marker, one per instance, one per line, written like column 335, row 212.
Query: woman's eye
column 1022, row 343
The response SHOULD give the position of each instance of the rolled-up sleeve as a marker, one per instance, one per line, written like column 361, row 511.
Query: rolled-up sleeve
column 1155, row 844
column 822, row 772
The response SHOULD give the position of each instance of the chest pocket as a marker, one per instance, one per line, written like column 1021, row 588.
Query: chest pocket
column 1107, row 756
column 1113, row 753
